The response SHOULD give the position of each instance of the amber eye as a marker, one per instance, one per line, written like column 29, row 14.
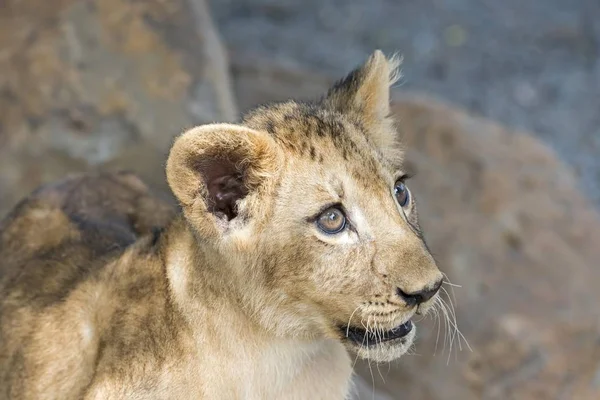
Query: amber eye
column 401, row 193
column 331, row 221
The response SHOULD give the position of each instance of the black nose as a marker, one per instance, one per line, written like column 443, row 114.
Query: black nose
column 419, row 297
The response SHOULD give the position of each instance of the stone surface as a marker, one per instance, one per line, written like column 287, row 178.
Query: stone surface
column 85, row 84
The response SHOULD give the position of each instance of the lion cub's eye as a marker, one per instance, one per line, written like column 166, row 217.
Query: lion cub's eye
column 332, row 221
column 401, row 193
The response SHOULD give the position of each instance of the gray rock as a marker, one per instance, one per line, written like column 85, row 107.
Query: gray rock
column 103, row 83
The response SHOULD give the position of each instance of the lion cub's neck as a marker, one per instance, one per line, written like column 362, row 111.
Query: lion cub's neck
column 232, row 346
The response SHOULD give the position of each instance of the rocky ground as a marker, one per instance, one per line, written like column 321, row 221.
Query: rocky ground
column 106, row 84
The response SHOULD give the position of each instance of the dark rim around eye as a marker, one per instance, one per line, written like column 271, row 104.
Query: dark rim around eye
column 402, row 193
column 335, row 229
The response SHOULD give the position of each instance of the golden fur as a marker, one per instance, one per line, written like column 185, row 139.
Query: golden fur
column 104, row 295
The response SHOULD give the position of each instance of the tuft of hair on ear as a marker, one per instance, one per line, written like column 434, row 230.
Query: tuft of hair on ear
column 214, row 169
column 365, row 93
column 394, row 66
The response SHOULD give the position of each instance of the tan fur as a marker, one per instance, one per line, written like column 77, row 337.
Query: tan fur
column 243, row 302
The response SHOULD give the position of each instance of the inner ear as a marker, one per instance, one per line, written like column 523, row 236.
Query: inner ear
column 224, row 183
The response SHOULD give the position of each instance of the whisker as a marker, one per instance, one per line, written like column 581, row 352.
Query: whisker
column 369, row 358
column 444, row 314
column 457, row 334
column 456, row 325
column 448, row 338
column 450, row 301
column 438, row 323
column 451, row 284
column 361, row 344
column 350, row 319
column 378, row 370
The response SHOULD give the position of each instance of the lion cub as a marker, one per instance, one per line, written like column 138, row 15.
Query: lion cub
column 297, row 242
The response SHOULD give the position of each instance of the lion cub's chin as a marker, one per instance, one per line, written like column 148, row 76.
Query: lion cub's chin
column 382, row 348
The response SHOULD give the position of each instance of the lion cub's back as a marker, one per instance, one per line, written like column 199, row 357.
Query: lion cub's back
column 51, row 243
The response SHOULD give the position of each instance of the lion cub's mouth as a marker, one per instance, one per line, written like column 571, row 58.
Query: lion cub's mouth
column 362, row 337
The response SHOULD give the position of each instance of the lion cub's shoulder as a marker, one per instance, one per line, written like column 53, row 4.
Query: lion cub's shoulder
column 76, row 284
column 79, row 222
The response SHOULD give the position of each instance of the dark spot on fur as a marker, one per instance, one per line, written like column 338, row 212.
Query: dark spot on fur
column 312, row 152
column 17, row 366
column 343, row 90
column 304, row 147
column 315, row 125
column 270, row 127
column 156, row 234
column 321, row 127
column 103, row 235
column 141, row 287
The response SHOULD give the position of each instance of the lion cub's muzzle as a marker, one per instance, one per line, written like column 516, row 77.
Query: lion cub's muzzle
column 402, row 333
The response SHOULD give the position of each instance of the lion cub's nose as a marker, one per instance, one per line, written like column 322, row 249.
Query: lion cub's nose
column 419, row 297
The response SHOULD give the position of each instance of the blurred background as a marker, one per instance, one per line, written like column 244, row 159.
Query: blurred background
column 499, row 108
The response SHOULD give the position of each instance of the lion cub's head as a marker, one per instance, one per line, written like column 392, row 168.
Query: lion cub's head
column 307, row 209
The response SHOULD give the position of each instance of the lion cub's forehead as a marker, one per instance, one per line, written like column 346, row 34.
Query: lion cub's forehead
column 323, row 136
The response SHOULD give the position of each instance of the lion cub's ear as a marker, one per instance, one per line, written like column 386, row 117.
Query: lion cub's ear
column 366, row 92
column 216, row 170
